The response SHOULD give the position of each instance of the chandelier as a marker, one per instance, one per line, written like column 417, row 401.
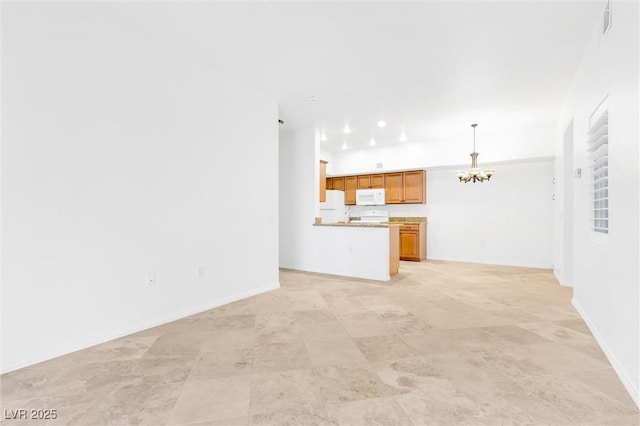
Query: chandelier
column 474, row 174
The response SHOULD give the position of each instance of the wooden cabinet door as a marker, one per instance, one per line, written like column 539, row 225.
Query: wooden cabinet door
column 364, row 182
column 323, row 181
column 414, row 187
column 409, row 245
column 393, row 188
column 370, row 181
column 329, row 183
column 350, row 186
column 338, row 183
column 413, row 241
column 376, row 181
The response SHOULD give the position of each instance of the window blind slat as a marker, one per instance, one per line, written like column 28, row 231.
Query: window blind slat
column 599, row 138
column 600, row 162
column 601, row 151
column 603, row 179
column 599, row 122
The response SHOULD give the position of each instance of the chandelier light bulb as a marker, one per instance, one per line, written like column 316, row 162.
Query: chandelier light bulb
column 323, row 136
column 382, row 123
column 403, row 137
column 347, row 129
column 372, row 142
column 344, row 145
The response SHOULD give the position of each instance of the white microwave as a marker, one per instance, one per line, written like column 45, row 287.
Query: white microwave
column 370, row 197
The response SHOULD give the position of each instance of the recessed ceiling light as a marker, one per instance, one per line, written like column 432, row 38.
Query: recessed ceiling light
column 382, row 123
column 347, row 129
column 344, row 145
column 372, row 142
column 403, row 137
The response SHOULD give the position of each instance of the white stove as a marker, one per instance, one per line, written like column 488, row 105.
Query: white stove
column 373, row 216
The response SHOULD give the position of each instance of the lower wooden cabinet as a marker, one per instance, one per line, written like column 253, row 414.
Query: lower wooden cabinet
column 394, row 253
column 413, row 241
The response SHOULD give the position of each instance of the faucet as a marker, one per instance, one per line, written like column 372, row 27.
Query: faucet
column 347, row 215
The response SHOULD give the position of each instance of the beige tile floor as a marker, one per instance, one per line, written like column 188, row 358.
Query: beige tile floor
column 443, row 343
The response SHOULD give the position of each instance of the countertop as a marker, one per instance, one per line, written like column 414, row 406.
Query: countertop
column 361, row 224
column 408, row 219
column 393, row 221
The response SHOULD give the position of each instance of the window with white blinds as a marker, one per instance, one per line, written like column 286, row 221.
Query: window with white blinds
column 598, row 144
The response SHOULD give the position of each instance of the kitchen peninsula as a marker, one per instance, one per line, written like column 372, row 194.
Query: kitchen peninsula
column 361, row 250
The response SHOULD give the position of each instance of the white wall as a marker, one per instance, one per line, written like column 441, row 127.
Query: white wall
column 328, row 156
column 121, row 157
column 506, row 221
column 606, row 276
column 299, row 197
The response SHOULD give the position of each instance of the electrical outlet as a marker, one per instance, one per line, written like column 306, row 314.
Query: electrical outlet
column 200, row 271
column 151, row 280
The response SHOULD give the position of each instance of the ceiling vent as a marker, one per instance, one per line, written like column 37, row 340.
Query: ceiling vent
column 606, row 18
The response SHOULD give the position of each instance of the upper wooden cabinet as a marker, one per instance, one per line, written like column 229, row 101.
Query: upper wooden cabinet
column 363, row 182
column 329, row 183
column 350, row 186
column 323, row 181
column 338, row 183
column 405, row 187
column 393, row 188
column 377, row 181
column 371, row 181
column 400, row 187
column 415, row 186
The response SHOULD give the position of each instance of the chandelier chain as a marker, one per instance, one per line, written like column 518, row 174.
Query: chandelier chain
column 474, row 136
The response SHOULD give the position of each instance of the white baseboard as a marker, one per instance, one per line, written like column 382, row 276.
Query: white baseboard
column 613, row 360
column 142, row 326
column 484, row 262
column 561, row 279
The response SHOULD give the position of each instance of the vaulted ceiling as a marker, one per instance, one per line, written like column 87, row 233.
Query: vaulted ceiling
column 429, row 69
